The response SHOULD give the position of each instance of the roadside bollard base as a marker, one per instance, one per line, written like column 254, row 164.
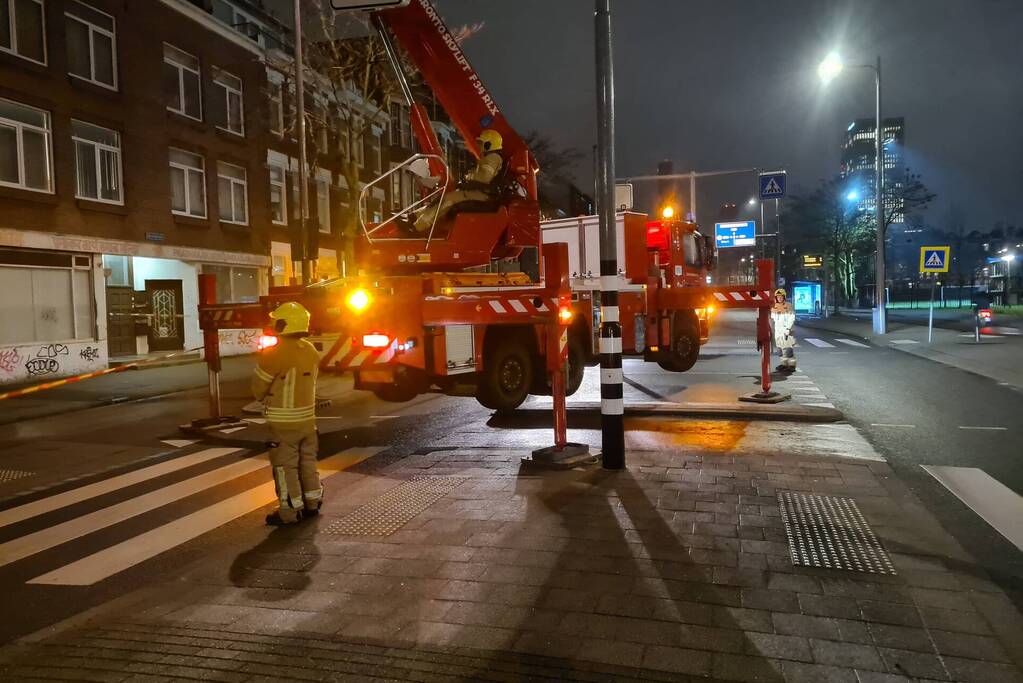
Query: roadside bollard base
column 568, row 456
column 765, row 397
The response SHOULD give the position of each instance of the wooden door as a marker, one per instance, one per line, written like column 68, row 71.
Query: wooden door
column 120, row 322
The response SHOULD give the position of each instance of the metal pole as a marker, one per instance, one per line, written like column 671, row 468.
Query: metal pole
column 692, row 194
column 612, row 406
column 777, row 228
column 930, row 315
column 303, row 182
column 880, row 316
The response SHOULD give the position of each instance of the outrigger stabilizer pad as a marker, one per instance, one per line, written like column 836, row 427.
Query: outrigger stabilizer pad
column 765, row 397
column 211, row 423
column 567, row 457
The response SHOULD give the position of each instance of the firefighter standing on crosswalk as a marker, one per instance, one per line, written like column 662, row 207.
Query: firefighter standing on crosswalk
column 783, row 316
column 285, row 381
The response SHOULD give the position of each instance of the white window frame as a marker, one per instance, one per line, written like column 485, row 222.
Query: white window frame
column 47, row 132
column 93, row 28
column 232, row 181
column 181, row 81
column 322, row 181
column 282, row 184
column 188, row 200
column 99, row 146
column 218, row 75
column 275, row 93
column 13, row 49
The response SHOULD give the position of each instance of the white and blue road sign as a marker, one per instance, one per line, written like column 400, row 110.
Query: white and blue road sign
column 738, row 234
column 772, row 185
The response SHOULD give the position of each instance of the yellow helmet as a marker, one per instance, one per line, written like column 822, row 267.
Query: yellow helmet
column 290, row 318
column 780, row 292
column 490, row 141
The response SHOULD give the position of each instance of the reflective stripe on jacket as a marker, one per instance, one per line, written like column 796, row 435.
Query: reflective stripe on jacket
column 285, row 379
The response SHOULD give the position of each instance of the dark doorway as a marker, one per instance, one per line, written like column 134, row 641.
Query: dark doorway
column 120, row 322
column 167, row 320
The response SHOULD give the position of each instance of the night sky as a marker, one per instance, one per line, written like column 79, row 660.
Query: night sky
column 716, row 84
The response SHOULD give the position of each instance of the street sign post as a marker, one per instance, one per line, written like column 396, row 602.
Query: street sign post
column 813, row 261
column 772, row 185
column 736, row 234
column 934, row 259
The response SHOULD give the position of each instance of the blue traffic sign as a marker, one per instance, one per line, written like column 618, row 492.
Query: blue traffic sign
column 772, row 185
column 739, row 234
column 934, row 259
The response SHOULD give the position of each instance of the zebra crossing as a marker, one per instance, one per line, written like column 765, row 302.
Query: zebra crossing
column 747, row 345
column 804, row 391
column 211, row 487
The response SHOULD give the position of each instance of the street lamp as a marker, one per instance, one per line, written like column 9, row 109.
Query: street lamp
column 828, row 70
column 752, row 201
column 852, row 196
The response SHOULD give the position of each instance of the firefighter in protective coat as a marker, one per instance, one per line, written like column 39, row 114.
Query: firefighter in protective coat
column 784, row 318
column 476, row 187
column 285, row 381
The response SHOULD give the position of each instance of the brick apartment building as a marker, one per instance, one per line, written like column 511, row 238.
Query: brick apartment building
column 145, row 142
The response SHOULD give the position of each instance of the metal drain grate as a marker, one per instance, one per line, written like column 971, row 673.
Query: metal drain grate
column 11, row 475
column 831, row 532
column 391, row 511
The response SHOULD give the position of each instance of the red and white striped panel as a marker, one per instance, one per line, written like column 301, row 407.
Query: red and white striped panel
column 346, row 354
column 523, row 305
column 564, row 344
column 742, row 297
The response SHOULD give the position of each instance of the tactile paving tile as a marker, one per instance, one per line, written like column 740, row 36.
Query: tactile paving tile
column 11, row 475
column 389, row 512
column 831, row 532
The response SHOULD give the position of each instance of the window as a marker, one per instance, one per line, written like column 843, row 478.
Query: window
column 45, row 296
column 358, row 151
column 396, row 204
column 23, row 29
column 181, row 82
column 229, row 93
column 373, row 152
column 120, row 269
column 237, row 20
column 323, row 200
column 91, row 45
column 25, row 147
column 235, row 284
column 232, row 190
column 395, row 123
column 342, row 139
column 97, row 162
column 188, row 184
column 276, row 113
column 278, row 194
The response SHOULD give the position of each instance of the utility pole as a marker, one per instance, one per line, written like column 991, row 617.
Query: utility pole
column 880, row 314
column 303, row 180
column 612, row 405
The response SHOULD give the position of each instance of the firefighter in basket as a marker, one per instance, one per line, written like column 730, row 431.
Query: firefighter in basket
column 285, row 380
column 477, row 186
column 783, row 316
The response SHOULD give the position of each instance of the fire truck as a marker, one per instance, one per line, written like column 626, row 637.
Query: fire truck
column 483, row 303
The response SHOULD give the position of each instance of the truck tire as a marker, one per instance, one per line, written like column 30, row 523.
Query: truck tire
column 685, row 344
column 503, row 384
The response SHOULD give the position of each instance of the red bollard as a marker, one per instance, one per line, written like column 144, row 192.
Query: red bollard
column 764, row 340
column 557, row 348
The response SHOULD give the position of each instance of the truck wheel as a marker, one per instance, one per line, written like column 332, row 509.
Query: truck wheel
column 576, row 364
column 507, row 371
column 685, row 347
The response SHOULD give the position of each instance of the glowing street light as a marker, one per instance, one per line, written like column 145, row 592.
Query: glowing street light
column 830, row 68
column 852, row 196
column 752, row 201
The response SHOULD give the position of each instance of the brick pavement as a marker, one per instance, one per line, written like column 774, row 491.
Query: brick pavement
column 676, row 569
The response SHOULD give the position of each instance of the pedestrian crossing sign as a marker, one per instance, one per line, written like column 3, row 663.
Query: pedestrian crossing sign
column 934, row 259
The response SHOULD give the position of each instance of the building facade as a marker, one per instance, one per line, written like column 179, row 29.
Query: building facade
column 145, row 143
column 859, row 161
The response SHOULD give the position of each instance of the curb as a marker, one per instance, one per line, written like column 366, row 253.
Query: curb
column 782, row 411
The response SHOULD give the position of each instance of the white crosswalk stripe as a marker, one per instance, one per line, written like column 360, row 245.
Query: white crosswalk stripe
column 129, row 552
column 819, row 343
column 853, row 342
column 993, row 501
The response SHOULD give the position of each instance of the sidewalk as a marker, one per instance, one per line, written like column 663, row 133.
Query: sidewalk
column 998, row 358
column 461, row 565
column 128, row 385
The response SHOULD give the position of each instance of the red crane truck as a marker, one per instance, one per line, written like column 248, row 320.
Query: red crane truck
column 422, row 314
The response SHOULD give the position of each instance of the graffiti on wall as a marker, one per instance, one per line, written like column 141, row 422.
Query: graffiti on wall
column 51, row 351
column 42, row 366
column 9, row 360
column 89, row 353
